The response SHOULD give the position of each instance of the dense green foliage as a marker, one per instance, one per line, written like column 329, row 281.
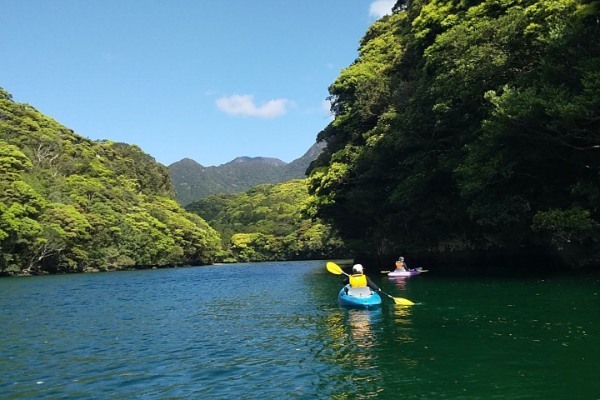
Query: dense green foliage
column 469, row 125
column 268, row 222
column 71, row 204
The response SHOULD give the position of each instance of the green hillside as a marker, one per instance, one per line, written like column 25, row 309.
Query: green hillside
column 268, row 222
column 71, row 204
column 468, row 132
column 193, row 182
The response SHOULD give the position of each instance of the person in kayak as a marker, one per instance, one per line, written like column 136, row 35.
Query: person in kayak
column 401, row 265
column 359, row 279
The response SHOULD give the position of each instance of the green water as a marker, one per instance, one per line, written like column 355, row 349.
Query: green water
column 487, row 339
column 275, row 331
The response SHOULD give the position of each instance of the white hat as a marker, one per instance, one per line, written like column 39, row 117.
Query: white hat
column 357, row 268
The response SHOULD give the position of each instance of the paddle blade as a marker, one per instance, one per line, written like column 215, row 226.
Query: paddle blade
column 334, row 268
column 402, row 301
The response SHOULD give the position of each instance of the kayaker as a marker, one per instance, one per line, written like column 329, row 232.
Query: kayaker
column 359, row 279
column 401, row 265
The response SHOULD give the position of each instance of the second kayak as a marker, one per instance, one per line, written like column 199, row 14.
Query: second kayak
column 411, row 272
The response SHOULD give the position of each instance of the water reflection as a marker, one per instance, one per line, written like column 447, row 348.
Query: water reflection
column 360, row 327
column 399, row 282
column 356, row 328
column 363, row 332
column 403, row 324
column 364, row 341
column 402, row 314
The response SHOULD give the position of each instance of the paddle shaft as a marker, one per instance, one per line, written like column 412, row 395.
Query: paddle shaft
column 388, row 295
column 410, row 270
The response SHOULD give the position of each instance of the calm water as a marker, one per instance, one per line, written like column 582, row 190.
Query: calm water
column 274, row 331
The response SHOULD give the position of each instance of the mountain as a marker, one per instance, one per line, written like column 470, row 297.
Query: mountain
column 192, row 181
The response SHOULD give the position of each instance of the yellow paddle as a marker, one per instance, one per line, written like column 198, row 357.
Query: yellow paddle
column 337, row 270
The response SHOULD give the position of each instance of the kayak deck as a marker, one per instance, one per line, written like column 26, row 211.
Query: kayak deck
column 363, row 298
column 412, row 272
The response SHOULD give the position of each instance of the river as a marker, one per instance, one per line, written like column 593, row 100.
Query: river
column 275, row 331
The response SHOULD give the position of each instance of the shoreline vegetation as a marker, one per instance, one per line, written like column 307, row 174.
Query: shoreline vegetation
column 94, row 270
column 373, row 267
column 151, row 267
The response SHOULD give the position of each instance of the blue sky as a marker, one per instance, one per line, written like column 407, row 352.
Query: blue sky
column 207, row 80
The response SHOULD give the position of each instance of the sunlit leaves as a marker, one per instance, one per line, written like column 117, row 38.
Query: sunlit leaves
column 12, row 161
column 269, row 222
column 71, row 204
column 565, row 226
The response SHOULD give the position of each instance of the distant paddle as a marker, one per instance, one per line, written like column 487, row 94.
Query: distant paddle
column 337, row 270
column 415, row 270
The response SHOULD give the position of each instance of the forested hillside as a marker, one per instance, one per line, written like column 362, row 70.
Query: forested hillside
column 268, row 222
column 468, row 128
column 193, row 182
column 71, row 204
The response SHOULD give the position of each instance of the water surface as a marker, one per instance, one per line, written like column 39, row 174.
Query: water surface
column 275, row 331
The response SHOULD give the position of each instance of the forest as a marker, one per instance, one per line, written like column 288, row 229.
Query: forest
column 468, row 130
column 269, row 222
column 69, row 204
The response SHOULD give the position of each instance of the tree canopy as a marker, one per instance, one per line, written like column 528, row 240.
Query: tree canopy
column 469, row 126
column 269, row 222
column 70, row 204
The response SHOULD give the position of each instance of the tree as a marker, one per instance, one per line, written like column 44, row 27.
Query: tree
column 70, row 204
column 269, row 222
column 481, row 132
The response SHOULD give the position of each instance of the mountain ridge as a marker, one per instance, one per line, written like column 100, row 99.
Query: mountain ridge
column 193, row 181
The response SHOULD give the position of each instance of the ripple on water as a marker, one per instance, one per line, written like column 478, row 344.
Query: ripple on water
column 168, row 334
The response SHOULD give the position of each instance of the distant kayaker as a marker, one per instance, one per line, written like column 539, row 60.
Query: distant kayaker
column 359, row 279
column 401, row 265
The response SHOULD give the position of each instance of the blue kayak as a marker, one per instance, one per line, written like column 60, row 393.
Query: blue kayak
column 362, row 297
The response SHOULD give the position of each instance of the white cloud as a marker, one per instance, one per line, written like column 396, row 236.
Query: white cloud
column 243, row 105
column 379, row 8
